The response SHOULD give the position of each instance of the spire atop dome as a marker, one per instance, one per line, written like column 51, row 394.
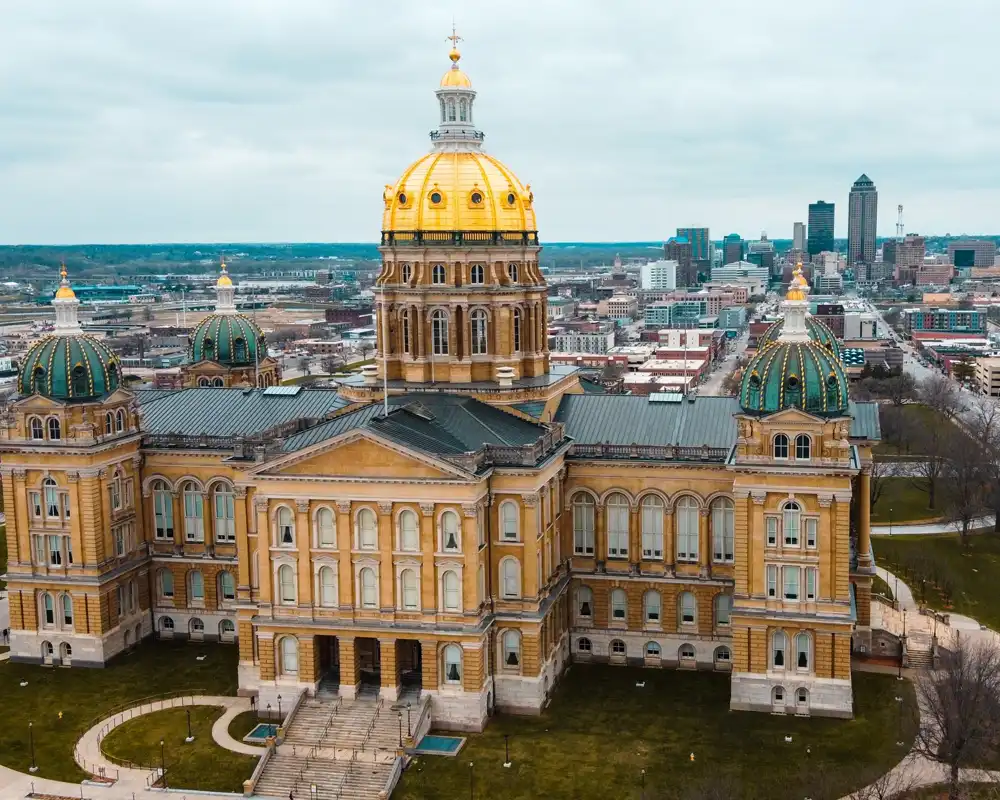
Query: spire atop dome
column 225, row 292
column 66, row 307
column 454, row 55
column 795, row 307
column 224, row 279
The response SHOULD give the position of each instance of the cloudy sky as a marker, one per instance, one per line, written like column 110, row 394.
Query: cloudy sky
column 281, row 120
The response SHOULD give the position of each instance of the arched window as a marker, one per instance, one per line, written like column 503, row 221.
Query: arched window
column 802, row 651
column 81, row 385
column 286, row 527
column 585, row 602
column 48, row 610
column 686, row 652
column 583, row 524
column 617, row 513
column 651, row 607
column 686, row 608
column 196, row 587
column 687, row 529
column 461, row 110
column 508, row 520
column 289, row 650
column 326, row 532
column 227, row 629
column 778, row 644
column 452, row 599
column 409, row 535
column 437, row 274
column 584, row 645
column 512, row 272
column 510, row 578
column 224, row 504
column 35, row 429
column 479, row 338
column 227, row 587
column 439, row 333
column 407, row 273
column 618, row 647
column 803, row 447
column 240, row 351
column 286, row 585
column 723, row 530
column 652, row 527
column 451, row 110
column 327, row 587
column 512, row 649
column 67, row 611
column 38, row 380
column 120, row 420
column 204, row 382
column 453, row 664
column 619, row 603
column 477, row 274
column 166, row 584
column 55, row 433
column 723, row 656
column 367, row 530
column 451, row 539
column 194, row 530
column 109, row 424
column 408, row 582
column 51, row 498
column 723, row 608
column 166, row 624
column 369, row 589
column 116, row 490
column 652, row 650
column 791, row 520
column 209, row 349
column 163, row 511
column 517, row 330
column 780, row 446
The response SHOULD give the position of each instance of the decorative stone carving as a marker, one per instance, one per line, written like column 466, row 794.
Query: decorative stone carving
column 343, row 506
column 73, row 476
column 260, row 504
column 529, row 500
column 825, row 500
column 384, row 507
column 240, row 491
column 759, row 498
column 471, row 511
column 302, row 506
column 427, row 509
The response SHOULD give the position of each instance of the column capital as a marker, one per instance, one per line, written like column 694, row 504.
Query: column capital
column 427, row 509
column 759, row 498
column 343, row 506
column 240, row 491
column 73, row 476
column 529, row 500
column 384, row 507
column 302, row 506
column 260, row 504
column 470, row 510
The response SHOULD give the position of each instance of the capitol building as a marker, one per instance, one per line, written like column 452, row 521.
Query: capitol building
column 462, row 518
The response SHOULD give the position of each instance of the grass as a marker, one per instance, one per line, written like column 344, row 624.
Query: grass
column 916, row 415
column 879, row 586
column 242, row 724
column 84, row 695
column 201, row 764
column 601, row 730
column 908, row 502
column 945, row 576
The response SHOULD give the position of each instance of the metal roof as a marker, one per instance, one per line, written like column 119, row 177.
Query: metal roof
column 533, row 408
column 230, row 412
column 864, row 421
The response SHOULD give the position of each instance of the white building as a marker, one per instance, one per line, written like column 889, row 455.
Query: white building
column 659, row 276
column 741, row 269
column 577, row 342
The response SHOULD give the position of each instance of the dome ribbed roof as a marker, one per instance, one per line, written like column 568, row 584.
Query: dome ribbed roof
column 801, row 375
column 69, row 368
column 818, row 332
column 227, row 339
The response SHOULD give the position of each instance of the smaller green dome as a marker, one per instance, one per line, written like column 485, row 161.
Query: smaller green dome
column 818, row 332
column 228, row 339
column 69, row 368
column 801, row 375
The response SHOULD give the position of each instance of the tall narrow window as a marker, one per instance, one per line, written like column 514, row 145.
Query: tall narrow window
column 163, row 511
column 50, row 609
column 67, row 611
column 687, row 529
column 511, row 649
column 286, row 527
column 225, row 513
column 811, row 583
column 408, row 581
column 116, row 490
column 619, row 603
column 55, row 551
column 54, row 430
column 405, row 323
column 326, row 533
column 286, row 585
column 369, row 589
column 451, row 590
column 327, row 587
column 227, row 586
column 450, row 537
column 120, row 420
column 407, row 273
column 196, row 587
column 477, row 274
column 109, row 424
column 194, row 530
column 36, row 429
column 38, row 382
column 585, row 602
column 802, row 651
column 289, row 656
column 803, row 447
column 51, row 499
column 512, row 272
column 790, row 578
column 772, row 531
column 790, row 519
column 772, row 581
column 781, row 446
column 439, row 333
column 812, row 524
column 166, row 584
column 617, row 513
column 686, row 608
column 517, row 330
column 651, row 610
column 437, row 274
column 583, row 524
column 409, row 537
column 723, row 530
column 479, row 340
column 510, row 578
column 723, row 608
column 508, row 521
column 779, row 642
column 652, row 527
column 367, row 530
column 453, row 664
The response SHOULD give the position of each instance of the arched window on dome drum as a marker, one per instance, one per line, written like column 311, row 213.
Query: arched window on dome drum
column 54, row 430
column 512, row 272
column 209, row 349
column 462, row 106
column 81, row 386
column 240, row 351
column 407, row 273
column 477, row 274
column 753, row 391
column 38, row 380
column 517, row 330
column 120, row 420
column 451, row 111
column 217, row 383
column 479, row 337
column 437, row 274
column 780, row 446
column 439, row 333
column 36, row 429
column 803, row 447
column 109, row 425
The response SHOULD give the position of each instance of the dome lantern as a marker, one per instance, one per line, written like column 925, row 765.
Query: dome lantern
column 225, row 292
column 455, row 96
column 66, row 307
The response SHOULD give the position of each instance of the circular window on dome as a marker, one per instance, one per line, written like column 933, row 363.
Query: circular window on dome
column 436, row 197
column 476, row 198
column 831, row 381
column 511, row 199
column 792, row 383
column 402, row 198
column 755, row 380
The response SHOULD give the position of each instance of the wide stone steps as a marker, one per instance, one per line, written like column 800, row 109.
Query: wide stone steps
column 354, row 780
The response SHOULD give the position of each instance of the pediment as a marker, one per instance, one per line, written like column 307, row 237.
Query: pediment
column 792, row 417
column 362, row 454
column 38, row 402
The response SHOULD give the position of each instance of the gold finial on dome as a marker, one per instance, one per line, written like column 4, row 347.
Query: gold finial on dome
column 224, row 279
column 799, row 286
column 455, row 77
column 454, row 55
column 65, row 292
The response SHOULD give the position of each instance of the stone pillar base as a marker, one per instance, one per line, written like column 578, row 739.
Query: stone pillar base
column 390, row 693
column 348, row 690
column 825, row 697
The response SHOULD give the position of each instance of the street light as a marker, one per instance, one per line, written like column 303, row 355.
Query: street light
column 31, row 744
column 643, row 774
column 409, row 731
column 190, row 736
column 399, row 716
column 163, row 766
column 899, row 734
column 471, row 781
column 279, row 709
column 506, row 750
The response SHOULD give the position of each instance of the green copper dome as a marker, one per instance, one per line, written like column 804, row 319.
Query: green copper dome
column 801, row 375
column 818, row 332
column 228, row 339
column 69, row 368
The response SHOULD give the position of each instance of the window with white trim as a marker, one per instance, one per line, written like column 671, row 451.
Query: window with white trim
column 480, row 338
column 286, row 585
column 196, row 587
column 583, row 524
column 367, row 530
column 651, row 608
column 812, row 527
column 723, row 530
column 286, row 527
column 224, row 504
column 791, row 522
column 35, row 504
column 584, row 602
column 790, row 583
column 326, row 529
column 617, row 510
column 802, row 648
column 369, row 588
column 508, row 521
column 723, row 609
column 779, row 643
column 619, row 603
column 409, row 534
column 477, row 274
column 584, row 645
column 55, row 551
column 289, row 650
column 687, row 608
column 439, row 333
column 510, row 578
column 55, row 432
column 780, row 446
column 811, row 580
column 772, row 531
column 163, row 511
column 452, row 664
column 450, row 537
column 166, row 584
column 194, row 530
column 451, row 591
column 617, row 647
column 772, row 580
column 67, row 611
column 512, row 649
column 227, row 587
column 687, row 516
column 803, row 447
column 652, row 650
column 437, row 274
column 36, row 430
column 408, row 583
column 51, row 499
column 652, row 527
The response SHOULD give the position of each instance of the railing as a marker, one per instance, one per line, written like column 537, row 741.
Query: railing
column 251, row 785
column 287, row 721
column 655, row 452
column 343, row 779
column 393, row 777
column 371, row 725
column 331, row 718
column 459, row 237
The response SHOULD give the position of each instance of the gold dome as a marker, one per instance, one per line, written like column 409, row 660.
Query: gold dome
column 799, row 286
column 64, row 292
column 458, row 191
column 455, row 78
column 224, row 279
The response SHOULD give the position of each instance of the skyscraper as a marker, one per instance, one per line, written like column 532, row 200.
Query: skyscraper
column 820, row 227
column 862, row 214
column 799, row 236
column 700, row 242
column 679, row 249
column 732, row 249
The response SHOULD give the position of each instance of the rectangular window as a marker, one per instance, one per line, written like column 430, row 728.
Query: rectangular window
column 65, row 505
column 687, row 533
column 225, row 517
column 791, row 528
column 772, row 580
column 811, row 575
column 652, row 531
column 41, row 555
column 35, row 499
column 618, row 531
column 55, row 551
column 790, row 576
column 128, row 493
column 583, row 528
column 69, row 550
column 119, row 534
column 772, row 531
column 812, row 525
column 163, row 514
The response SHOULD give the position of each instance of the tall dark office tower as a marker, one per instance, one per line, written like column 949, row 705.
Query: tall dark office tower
column 732, row 249
column 701, row 244
column 679, row 249
column 862, row 215
column 820, row 227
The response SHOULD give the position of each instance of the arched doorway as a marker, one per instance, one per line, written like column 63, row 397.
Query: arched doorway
column 409, row 659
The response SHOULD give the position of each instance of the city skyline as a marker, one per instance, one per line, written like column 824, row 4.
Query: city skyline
column 268, row 123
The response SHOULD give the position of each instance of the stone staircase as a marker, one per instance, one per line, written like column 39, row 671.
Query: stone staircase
column 334, row 780
column 919, row 651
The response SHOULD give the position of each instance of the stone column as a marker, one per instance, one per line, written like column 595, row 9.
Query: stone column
column 263, row 550
column 600, row 533
column 387, row 578
column 634, row 536
column 242, row 543
column 178, row 518
column 428, row 601
column 757, row 541
column 669, row 536
column 470, row 555
column 207, row 519
column 529, row 528
column 345, row 569
column 75, row 530
column 303, row 539
column 18, row 510
column 704, row 540
column 350, row 674
column 429, row 664
column 827, row 549
column 389, row 689
column 864, row 517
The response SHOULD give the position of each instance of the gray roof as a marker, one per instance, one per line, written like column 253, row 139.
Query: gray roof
column 533, row 408
column 864, row 421
column 230, row 412
column 632, row 419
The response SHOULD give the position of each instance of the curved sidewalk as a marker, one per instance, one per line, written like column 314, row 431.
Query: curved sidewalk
column 928, row 528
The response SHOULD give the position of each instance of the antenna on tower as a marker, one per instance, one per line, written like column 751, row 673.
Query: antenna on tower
column 899, row 223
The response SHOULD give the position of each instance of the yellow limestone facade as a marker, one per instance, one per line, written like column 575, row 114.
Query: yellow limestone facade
column 349, row 547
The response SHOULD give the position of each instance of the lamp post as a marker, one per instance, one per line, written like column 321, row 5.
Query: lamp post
column 902, row 646
column 163, row 766
column 279, row 709
column 399, row 716
column 471, row 781
column 899, row 728
column 31, row 745
column 506, row 750
column 643, row 777
column 190, row 736
column 409, row 730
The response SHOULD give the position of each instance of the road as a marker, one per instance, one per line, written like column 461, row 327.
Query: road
column 713, row 386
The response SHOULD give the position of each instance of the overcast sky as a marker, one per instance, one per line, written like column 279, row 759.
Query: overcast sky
column 281, row 120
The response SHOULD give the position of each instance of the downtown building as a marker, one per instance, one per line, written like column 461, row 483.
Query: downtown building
column 862, row 219
column 820, row 237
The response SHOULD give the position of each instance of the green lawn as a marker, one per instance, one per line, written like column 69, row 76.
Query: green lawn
column 242, row 724
column 907, row 502
column 879, row 586
column 915, row 415
column 83, row 695
column 601, row 730
column 201, row 764
column 945, row 576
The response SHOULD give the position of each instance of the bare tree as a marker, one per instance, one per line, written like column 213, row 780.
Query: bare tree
column 896, row 783
column 880, row 470
column 899, row 388
column 893, row 421
column 930, row 441
column 331, row 364
column 147, row 313
column 304, row 363
column 966, row 481
column 961, row 709
column 939, row 393
column 984, row 428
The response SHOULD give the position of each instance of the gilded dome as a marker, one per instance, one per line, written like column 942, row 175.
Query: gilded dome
column 818, row 332
column 803, row 375
column 465, row 190
column 69, row 368
column 228, row 339
column 455, row 77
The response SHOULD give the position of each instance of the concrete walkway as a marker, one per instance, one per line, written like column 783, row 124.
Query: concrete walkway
column 928, row 528
column 900, row 590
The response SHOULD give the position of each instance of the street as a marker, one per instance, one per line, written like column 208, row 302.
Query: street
column 713, row 386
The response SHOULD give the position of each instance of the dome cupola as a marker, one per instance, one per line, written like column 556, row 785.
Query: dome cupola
column 227, row 337
column 818, row 331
